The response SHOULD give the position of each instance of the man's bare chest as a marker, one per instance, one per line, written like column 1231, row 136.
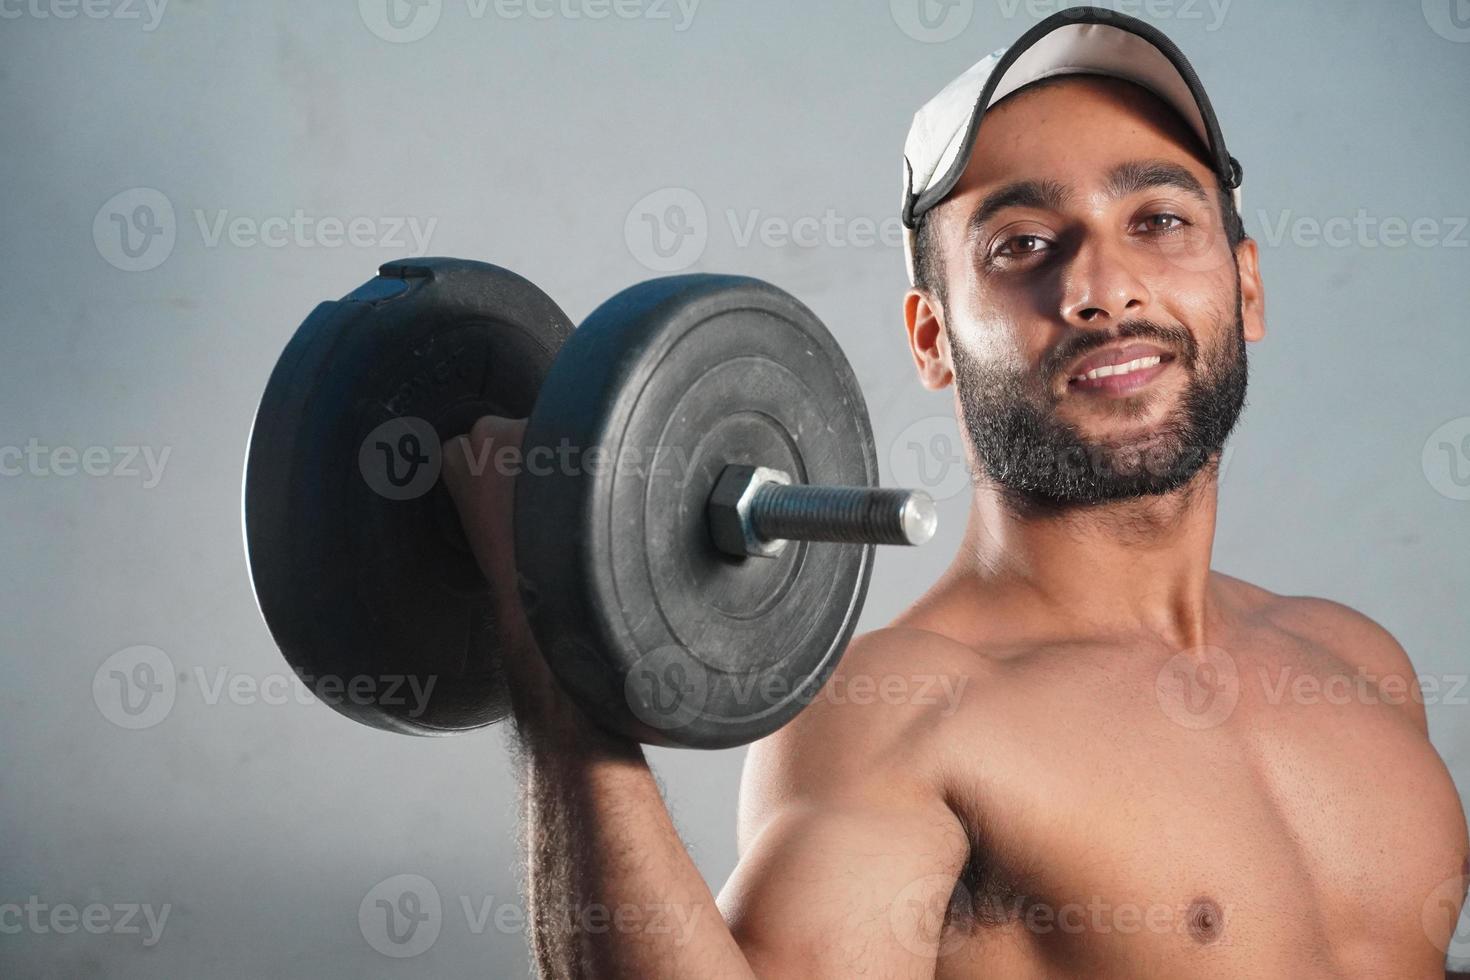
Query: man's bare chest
column 1230, row 797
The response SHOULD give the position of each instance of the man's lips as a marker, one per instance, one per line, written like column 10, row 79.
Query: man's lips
column 1118, row 370
column 1117, row 356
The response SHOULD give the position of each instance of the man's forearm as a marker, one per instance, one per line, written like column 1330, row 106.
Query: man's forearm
column 612, row 890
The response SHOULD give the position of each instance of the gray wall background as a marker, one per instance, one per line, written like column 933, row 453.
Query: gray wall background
column 534, row 142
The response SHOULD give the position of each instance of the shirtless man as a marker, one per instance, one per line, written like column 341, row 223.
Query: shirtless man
column 1146, row 774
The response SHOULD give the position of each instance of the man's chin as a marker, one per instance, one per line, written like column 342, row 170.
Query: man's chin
column 1150, row 462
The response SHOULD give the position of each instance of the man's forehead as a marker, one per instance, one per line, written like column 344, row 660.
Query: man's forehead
column 1079, row 128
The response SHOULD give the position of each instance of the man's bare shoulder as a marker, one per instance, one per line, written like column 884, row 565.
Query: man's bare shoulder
column 888, row 688
column 1351, row 635
column 873, row 731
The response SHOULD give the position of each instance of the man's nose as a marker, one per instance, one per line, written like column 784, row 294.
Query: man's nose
column 1100, row 287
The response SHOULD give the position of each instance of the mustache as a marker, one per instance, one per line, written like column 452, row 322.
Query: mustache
column 1173, row 338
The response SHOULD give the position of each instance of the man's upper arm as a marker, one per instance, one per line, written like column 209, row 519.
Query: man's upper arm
column 849, row 849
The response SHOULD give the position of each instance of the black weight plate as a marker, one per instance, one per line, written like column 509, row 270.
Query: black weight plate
column 359, row 565
column 658, row 634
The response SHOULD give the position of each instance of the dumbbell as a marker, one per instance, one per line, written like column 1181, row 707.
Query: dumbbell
column 695, row 504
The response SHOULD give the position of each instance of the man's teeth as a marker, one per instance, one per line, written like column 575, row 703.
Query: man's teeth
column 1111, row 369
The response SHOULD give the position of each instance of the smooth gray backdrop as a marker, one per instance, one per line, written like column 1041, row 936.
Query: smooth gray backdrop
column 181, row 184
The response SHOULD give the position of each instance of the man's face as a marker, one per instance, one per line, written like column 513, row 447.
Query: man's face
column 1084, row 225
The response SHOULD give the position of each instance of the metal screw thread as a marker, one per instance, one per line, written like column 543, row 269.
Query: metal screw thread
column 859, row 515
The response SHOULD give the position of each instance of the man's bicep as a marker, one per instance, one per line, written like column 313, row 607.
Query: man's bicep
column 846, row 889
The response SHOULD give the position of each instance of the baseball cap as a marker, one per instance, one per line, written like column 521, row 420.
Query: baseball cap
column 1074, row 41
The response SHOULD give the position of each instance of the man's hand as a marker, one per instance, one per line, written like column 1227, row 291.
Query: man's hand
column 484, row 495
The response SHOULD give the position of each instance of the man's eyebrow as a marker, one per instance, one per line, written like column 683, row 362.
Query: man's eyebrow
column 1043, row 195
column 1138, row 175
column 1126, row 178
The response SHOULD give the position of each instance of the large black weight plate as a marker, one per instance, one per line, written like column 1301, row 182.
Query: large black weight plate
column 359, row 565
column 654, row 631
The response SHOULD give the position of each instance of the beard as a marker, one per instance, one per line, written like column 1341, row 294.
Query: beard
column 1039, row 462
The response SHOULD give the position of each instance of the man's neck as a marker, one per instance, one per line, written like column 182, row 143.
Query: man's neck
column 1129, row 567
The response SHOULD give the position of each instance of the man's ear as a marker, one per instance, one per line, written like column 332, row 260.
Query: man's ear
column 1252, row 292
column 928, row 342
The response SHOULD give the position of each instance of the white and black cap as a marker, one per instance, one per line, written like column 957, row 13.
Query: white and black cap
column 1075, row 41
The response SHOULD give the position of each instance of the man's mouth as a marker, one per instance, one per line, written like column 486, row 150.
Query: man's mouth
column 1122, row 378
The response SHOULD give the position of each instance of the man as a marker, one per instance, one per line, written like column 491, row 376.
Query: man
column 1135, row 781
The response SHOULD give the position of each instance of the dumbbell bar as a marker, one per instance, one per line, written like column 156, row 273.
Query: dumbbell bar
column 701, row 610
column 754, row 510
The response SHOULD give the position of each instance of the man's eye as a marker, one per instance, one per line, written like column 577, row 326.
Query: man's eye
column 1021, row 245
column 1163, row 221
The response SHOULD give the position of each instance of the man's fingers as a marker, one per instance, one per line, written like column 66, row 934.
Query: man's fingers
column 483, row 451
column 480, row 476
